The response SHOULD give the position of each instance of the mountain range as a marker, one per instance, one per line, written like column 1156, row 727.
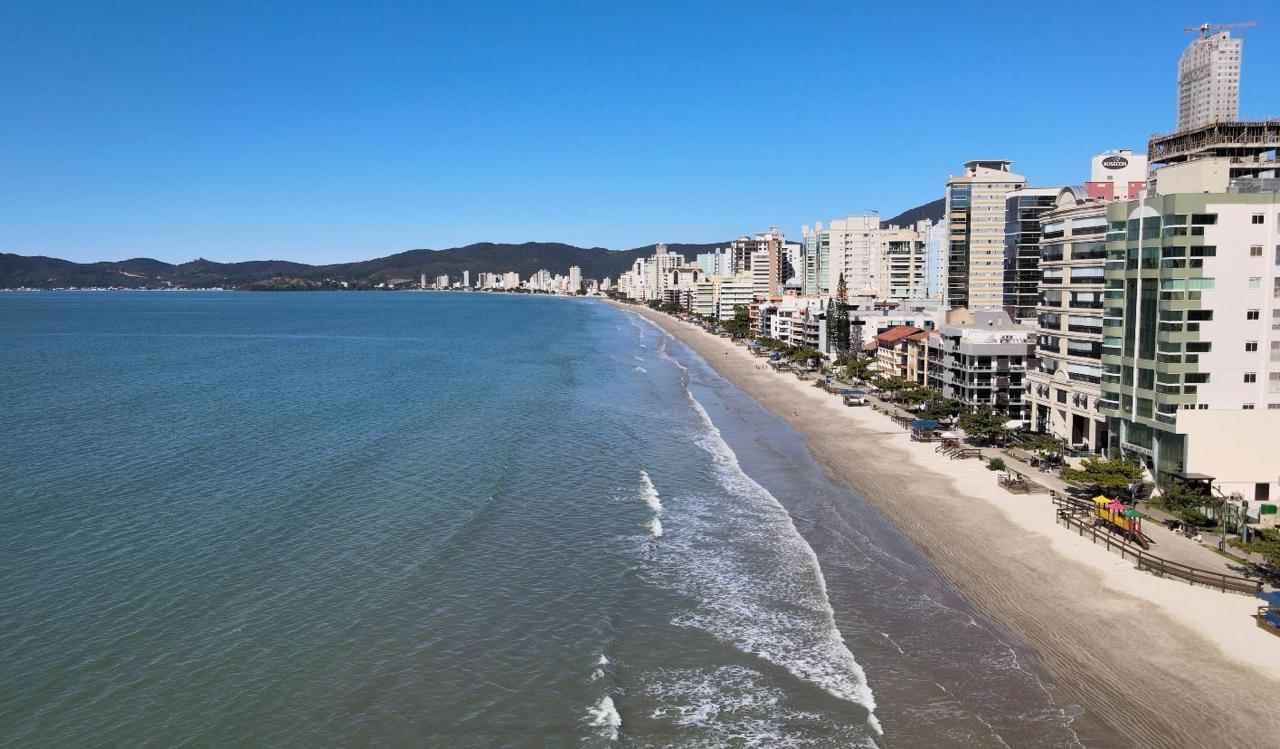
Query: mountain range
column 38, row 272
column 21, row 271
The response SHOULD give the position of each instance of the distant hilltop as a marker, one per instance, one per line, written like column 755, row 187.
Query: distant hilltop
column 20, row 271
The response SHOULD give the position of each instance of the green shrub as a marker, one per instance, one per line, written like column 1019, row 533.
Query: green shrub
column 996, row 464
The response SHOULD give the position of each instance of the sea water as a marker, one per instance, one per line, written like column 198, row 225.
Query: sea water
column 455, row 520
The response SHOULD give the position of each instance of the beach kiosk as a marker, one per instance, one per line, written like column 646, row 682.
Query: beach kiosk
column 924, row 430
column 1268, row 616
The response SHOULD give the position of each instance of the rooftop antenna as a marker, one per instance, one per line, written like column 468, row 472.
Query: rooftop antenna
column 1206, row 29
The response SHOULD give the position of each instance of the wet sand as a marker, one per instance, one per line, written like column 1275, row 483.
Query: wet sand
column 1160, row 663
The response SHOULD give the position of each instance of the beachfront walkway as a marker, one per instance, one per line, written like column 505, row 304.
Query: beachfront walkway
column 1164, row 542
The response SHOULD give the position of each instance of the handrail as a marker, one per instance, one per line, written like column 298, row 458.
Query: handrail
column 1070, row 510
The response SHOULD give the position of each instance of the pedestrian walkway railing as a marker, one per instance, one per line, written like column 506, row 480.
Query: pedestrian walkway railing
column 1080, row 516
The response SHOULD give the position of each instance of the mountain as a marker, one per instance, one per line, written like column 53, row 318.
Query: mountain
column 596, row 262
column 931, row 210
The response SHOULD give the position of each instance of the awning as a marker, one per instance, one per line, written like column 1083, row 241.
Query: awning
column 1013, row 424
column 925, row 424
column 950, row 435
column 1101, row 501
column 1131, row 514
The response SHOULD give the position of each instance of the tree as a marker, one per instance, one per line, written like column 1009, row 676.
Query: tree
column 804, row 354
column 740, row 325
column 941, row 409
column 837, row 327
column 857, row 367
column 984, row 426
column 1112, row 478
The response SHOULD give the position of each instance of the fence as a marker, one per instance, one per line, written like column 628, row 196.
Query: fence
column 1079, row 515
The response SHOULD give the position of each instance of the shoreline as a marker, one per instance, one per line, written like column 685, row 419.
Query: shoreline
column 1159, row 662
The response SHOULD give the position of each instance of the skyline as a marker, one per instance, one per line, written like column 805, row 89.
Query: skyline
column 319, row 138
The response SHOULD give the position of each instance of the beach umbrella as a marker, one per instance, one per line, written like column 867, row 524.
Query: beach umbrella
column 1131, row 514
column 1115, row 506
column 1100, row 501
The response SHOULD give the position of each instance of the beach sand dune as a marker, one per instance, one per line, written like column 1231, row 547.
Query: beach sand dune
column 1161, row 663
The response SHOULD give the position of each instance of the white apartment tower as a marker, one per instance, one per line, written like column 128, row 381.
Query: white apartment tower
column 975, row 215
column 1209, row 81
column 575, row 279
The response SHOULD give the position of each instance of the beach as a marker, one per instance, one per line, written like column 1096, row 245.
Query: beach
column 1161, row 663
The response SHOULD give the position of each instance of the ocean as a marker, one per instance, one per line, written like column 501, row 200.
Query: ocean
column 449, row 520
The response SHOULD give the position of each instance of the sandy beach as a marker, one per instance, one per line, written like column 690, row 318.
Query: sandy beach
column 1162, row 663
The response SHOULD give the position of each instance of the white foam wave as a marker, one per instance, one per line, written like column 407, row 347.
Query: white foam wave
column 655, row 527
column 603, row 660
column 641, row 370
column 650, row 492
column 604, row 716
column 739, row 608
column 734, row 706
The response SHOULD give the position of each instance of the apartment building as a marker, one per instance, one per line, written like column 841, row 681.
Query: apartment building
column 767, row 245
column 815, row 261
column 849, row 247
column 1209, row 80
column 904, row 257
column 893, row 357
column 1191, row 348
column 980, row 357
column 1065, row 385
column 1022, row 211
column 975, row 212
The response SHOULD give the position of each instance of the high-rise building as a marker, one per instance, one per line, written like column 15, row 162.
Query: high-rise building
column 1065, row 385
column 935, row 266
column 761, row 278
column 466, row 279
column 975, row 209
column 718, row 262
column 904, row 256
column 848, row 247
column 744, row 248
column 1209, row 81
column 1191, row 347
column 1022, row 211
column 575, row 279
column 815, row 261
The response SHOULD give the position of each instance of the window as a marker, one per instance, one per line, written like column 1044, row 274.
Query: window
column 1200, row 314
column 1252, row 314
column 1257, row 218
column 1255, row 282
column 1199, row 347
column 1204, row 219
column 1250, row 377
column 1273, row 406
column 1062, row 396
column 1247, row 406
column 1250, row 346
column 1196, row 377
column 1278, row 254
column 1255, row 251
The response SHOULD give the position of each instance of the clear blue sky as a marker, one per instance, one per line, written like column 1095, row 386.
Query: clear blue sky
column 318, row 132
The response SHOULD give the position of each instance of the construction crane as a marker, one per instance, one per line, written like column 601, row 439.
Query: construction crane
column 1206, row 29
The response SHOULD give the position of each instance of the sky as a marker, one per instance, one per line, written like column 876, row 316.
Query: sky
column 322, row 132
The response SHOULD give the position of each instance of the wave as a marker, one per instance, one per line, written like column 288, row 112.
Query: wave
column 604, row 716
column 642, row 370
column 650, row 492
column 736, row 706
column 651, row 498
column 739, row 601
